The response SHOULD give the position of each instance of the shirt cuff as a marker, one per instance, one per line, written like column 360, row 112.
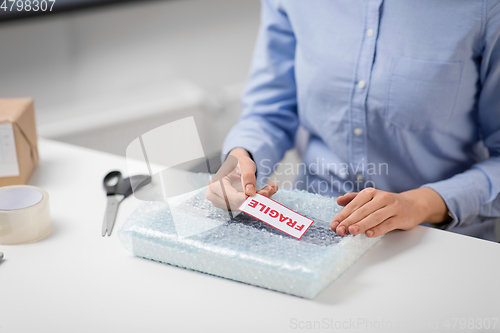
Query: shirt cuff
column 463, row 194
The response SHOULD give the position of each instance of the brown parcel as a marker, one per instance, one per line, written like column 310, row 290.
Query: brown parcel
column 20, row 113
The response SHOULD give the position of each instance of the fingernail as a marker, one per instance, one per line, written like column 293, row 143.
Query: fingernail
column 334, row 225
column 249, row 188
column 341, row 230
column 354, row 229
column 370, row 233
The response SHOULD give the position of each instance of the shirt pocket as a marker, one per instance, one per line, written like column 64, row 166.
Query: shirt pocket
column 422, row 94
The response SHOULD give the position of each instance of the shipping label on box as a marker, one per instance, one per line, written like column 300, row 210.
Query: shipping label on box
column 8, row 156
column 18, row 141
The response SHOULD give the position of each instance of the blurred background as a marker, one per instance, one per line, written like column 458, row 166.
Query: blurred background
column 104, row 72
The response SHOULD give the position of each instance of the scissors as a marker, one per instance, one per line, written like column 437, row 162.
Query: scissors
column 117, row 189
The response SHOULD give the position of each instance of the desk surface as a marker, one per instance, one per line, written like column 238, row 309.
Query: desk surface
column 77, row 281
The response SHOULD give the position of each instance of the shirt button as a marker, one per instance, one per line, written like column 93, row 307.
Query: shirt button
column 361, row 84
column 359, row 177
column 369, row 32
column 358, row 131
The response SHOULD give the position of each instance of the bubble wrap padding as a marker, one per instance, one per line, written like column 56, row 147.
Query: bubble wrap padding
column 246, row 249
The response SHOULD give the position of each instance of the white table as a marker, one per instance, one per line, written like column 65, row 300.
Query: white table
column 77, row 281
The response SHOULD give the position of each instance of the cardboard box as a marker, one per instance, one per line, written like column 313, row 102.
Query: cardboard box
column 18, row 141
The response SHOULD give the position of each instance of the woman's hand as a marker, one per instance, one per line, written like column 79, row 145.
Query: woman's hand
column 375, row 212
column 235, row 181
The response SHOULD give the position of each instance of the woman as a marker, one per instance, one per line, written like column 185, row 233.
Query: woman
column 400, row 100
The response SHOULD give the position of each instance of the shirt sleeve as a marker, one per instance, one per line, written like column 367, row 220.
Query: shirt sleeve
column 475, row 192
column 269, row 119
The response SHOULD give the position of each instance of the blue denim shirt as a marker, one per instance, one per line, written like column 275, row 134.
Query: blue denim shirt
column 395, row 94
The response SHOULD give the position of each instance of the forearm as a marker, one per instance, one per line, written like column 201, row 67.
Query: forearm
column 269, row 118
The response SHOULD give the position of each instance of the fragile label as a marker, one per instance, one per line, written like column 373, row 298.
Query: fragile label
column 276, row 215
column 8, row 156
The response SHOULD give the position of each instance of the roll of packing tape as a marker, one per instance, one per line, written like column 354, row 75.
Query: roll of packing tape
column 24, row 214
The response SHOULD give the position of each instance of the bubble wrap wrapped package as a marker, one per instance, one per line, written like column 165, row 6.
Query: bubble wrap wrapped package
column 202, row 238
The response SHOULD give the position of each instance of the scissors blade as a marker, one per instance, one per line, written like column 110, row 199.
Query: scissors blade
column 104, row 225
column 111, row 211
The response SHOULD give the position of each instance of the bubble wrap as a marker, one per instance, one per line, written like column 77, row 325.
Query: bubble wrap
column 245, row 249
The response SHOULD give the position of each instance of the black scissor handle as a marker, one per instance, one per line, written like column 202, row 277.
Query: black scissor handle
column 112, row 182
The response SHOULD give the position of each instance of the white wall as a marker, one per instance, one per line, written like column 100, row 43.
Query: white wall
column 82, row 58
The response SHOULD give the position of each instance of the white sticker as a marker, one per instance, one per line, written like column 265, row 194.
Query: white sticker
column 8, row 156
column 276, row 215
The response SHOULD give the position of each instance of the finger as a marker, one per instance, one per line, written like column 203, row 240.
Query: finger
column 236, row 183
column 235, row 175
column 372, row 220
column 231, row 195
column 362, row 198
column 215, row 200
column 234, row 178
column 227, row 193
column 224, row 187
column 362, row 212
column 219, row 203
column 227, row 202
column 236, row 200
column 343, row 200
column 248, row 180
column 229, row 165
column 215, row 188
column 383, row 228
column 268, row 190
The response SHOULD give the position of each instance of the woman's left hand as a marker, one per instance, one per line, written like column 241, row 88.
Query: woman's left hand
column 375, row 212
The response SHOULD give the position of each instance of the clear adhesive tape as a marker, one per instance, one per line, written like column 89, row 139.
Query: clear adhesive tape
column 24, row 214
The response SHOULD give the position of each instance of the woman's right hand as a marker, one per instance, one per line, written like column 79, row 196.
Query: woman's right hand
column 235, row 181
